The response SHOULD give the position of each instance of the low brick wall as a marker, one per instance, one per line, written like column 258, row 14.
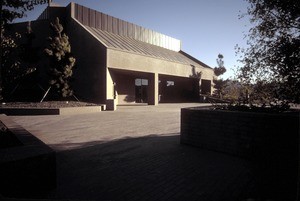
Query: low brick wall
column 271, row 141
column 28, row 170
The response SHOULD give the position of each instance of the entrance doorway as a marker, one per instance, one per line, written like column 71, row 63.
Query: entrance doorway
column 141, row 90
column 205, row 87
column 174, row 89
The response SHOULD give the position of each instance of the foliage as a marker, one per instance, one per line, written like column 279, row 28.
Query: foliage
column 10, row 50
column 232, row 91
column 10, row 61
column 220, row 70
column 274, row 108
column 219, row 84
column 258, row 97
column 18, row 59
column 61, row 60
column 12, row 9
column 273, row 55
column 195, row 74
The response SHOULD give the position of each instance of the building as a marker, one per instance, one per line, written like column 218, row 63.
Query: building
column 119, row 62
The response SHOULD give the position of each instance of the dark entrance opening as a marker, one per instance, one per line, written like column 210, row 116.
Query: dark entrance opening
column 174, row 89
column 141, row 90
column 205, row 87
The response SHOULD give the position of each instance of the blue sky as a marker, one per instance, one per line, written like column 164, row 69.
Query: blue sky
column 205, row 27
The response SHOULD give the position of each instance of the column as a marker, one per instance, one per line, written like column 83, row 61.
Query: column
column 153, row 89
column 111, row 99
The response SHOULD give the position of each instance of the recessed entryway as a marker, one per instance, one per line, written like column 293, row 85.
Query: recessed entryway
column 141, row 90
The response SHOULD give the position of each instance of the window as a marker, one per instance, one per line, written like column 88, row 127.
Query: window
column 140, row 82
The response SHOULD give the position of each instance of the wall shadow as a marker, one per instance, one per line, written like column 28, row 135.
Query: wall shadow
column 152, row 167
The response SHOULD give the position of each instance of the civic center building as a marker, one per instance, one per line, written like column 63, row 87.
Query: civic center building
column 123, row 63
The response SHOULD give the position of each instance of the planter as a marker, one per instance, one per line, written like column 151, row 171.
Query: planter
column 271, row 141
column 52, row 111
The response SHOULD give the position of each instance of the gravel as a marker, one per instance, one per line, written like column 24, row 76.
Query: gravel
column 46, row 104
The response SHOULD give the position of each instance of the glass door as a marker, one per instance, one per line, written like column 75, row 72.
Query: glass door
column 141, row 90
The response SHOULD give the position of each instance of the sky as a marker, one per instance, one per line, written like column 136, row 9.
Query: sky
column 206, row 28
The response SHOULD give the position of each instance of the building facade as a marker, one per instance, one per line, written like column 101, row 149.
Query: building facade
column 124, row 63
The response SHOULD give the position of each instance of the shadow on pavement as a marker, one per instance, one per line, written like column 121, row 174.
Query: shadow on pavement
column 151, row 168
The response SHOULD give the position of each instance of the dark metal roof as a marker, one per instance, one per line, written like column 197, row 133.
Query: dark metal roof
column 128, row 44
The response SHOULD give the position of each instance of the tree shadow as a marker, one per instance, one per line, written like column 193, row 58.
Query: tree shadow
column 154, row 167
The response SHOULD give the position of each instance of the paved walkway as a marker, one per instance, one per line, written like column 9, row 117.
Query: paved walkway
column 75, row 131
column 134, row 154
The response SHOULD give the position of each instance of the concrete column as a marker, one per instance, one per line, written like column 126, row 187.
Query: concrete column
column 109, row 85
column 111, row 99
column 153, row 89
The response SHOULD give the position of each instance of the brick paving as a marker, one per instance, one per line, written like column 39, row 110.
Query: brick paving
column 150, row 168
column 135, row 154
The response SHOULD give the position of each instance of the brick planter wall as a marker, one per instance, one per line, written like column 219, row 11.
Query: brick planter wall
column 271, row 141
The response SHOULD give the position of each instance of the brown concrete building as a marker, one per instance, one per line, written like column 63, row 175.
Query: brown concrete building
column 120, row 62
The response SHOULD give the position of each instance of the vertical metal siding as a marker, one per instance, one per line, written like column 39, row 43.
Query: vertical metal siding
column 130, row 30
column 124, row 28
column 85, row 15
column 92, row 18
column 103, row 22
column 115, row 25
column 120, row 27
column 80, row 14
column 108, row 23
column 97, row 20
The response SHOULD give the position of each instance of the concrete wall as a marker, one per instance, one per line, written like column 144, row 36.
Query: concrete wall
column 90, row 72
column 271, row 141
column 131, row 61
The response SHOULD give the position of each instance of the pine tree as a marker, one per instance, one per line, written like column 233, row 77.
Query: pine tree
column 219, row 84
column 61, row 61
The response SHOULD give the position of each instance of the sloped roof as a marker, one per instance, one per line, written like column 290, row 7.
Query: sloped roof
column 128, row 44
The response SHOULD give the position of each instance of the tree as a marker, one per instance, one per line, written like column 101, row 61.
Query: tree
column 273, row 53
column 219, row 84
column 10, row 61
column 61, row 61
column 20, row 59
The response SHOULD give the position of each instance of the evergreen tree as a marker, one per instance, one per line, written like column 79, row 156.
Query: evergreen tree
column 61, row 61
column 219, row 84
